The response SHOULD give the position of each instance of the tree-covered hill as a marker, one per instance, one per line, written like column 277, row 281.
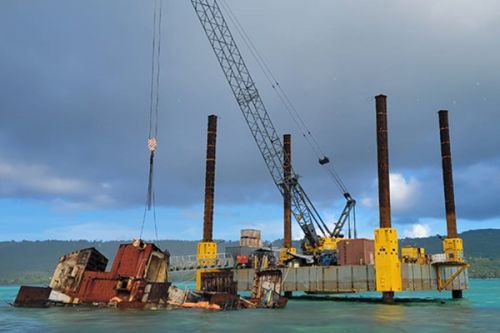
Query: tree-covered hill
column 483, row 243
column 34, row 261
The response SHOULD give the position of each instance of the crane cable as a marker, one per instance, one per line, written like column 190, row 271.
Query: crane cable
column 286, row 101
column 313, row 143
column 154, row 106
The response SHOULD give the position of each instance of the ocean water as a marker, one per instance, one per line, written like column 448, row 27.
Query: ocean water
column 479, row 311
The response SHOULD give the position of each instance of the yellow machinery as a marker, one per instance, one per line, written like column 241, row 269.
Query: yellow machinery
column 453, row 249
column 207, row 257
column 260, row 262
column 325, row 244
column 413, row 255
column 387, row 264
column 285, row 254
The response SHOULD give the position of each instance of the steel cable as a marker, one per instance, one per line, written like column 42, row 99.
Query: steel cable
column 284, row 98
column 154, row 106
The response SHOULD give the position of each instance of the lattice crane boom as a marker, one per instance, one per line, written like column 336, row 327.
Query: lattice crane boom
column 256, row 115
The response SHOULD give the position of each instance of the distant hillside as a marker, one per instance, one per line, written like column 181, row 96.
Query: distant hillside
column 33, row 262
column 483, row 243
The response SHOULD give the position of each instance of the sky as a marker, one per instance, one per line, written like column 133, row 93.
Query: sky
column 74, row 115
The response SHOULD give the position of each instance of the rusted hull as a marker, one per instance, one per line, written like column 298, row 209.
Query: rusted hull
column 72, row 267
column 138, row 278
column 97, row 288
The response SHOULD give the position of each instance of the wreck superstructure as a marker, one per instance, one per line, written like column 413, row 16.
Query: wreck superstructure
column 138, row 278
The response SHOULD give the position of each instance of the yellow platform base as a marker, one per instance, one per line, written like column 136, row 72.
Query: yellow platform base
column 207, row 256
column 387, row 264
column 453, row 249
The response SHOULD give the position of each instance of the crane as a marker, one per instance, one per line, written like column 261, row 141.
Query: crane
column 263, row 131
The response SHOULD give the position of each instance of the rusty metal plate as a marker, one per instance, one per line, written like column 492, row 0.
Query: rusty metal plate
column 157, row 292
column 220, row 281
column 33, row 297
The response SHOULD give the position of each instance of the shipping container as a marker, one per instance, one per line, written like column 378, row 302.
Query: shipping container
column 250, row 242
column 250, row 233
column 355, row 252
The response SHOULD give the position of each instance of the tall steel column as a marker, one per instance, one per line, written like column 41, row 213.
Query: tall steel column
column 449, row 195
column 210, row 180
column 384, row 196
column 287, row 198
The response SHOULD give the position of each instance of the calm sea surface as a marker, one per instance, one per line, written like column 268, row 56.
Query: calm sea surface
column 479, row 311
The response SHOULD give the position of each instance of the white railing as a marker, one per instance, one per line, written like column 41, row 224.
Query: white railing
column 190, row 262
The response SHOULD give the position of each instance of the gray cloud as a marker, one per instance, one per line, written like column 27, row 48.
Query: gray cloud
column 75, row 79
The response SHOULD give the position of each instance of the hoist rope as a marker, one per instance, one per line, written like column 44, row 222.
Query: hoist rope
column 153, row 64
column 154, row 106
column 158, row 63
column 284, row 98
column 154, row 216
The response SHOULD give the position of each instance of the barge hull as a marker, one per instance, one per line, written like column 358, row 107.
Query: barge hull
column 361, row 278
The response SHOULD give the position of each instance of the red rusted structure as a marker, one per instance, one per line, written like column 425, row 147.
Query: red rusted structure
column 138, row 278
column 136, row 273
column 33, row 297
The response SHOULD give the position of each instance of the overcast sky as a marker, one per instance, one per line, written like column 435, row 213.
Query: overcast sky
column 74, row 94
